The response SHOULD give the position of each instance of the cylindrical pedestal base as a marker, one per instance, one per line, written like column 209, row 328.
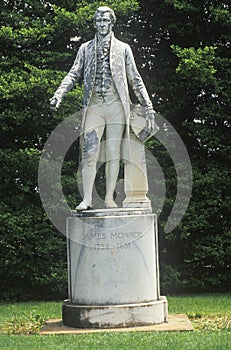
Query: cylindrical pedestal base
column 115, row 316
column 113, row 269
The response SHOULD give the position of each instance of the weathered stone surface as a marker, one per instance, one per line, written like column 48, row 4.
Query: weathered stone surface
column 136, row 184
column 113, row 270
column 115, row 316
column 112, row 259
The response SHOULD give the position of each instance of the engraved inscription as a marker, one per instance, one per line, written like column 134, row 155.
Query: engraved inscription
column 94, row 236
column 102, row 246
column 123, row 235
column 111, row 240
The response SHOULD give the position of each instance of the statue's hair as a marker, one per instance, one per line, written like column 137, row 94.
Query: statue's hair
column 103, row 9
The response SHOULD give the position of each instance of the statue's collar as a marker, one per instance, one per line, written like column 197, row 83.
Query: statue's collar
column 105, row 40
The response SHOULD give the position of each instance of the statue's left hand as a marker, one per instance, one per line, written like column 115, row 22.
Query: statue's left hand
column 150, row 121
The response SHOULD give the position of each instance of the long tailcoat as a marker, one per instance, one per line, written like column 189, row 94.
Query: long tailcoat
column 123, row 70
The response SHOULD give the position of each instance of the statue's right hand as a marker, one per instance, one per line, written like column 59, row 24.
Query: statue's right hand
column 55, row 103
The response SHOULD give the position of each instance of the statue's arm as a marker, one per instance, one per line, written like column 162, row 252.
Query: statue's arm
column 75, row 75
column 135, row 80
column 137, row 84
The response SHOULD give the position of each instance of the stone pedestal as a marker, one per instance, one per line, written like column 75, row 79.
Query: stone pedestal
column 135, row 175
column 113, row 270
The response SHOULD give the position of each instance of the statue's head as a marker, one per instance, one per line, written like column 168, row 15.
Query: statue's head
column 104, row 20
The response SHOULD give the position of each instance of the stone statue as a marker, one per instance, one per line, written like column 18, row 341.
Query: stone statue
column 106, row 66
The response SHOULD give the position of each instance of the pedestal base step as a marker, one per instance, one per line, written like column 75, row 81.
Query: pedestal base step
column 176, row 323
column 115, row 316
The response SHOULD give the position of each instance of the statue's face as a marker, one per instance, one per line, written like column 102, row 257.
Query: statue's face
column 103, row 23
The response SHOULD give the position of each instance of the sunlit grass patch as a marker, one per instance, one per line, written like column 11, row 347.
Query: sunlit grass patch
column 25, row 324
column 211, row 323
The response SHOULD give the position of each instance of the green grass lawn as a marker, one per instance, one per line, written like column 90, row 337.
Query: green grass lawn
column 210, row 315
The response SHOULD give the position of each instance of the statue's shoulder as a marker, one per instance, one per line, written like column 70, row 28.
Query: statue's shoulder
column 119, row 42
column 88, row 44
column 121, row 45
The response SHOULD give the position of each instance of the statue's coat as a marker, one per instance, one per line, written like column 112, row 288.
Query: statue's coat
column 123, row 70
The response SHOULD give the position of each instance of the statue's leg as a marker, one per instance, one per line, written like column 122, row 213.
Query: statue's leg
column 89, row 169
column 94, row 128
column 114, row 134
column 112, row 171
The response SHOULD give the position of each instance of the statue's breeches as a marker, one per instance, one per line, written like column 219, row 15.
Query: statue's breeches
column 104, row 127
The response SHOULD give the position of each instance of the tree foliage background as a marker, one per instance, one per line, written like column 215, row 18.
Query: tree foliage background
column 182, row 49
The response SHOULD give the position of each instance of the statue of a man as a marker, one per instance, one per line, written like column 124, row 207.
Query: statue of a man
column 106, row 66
